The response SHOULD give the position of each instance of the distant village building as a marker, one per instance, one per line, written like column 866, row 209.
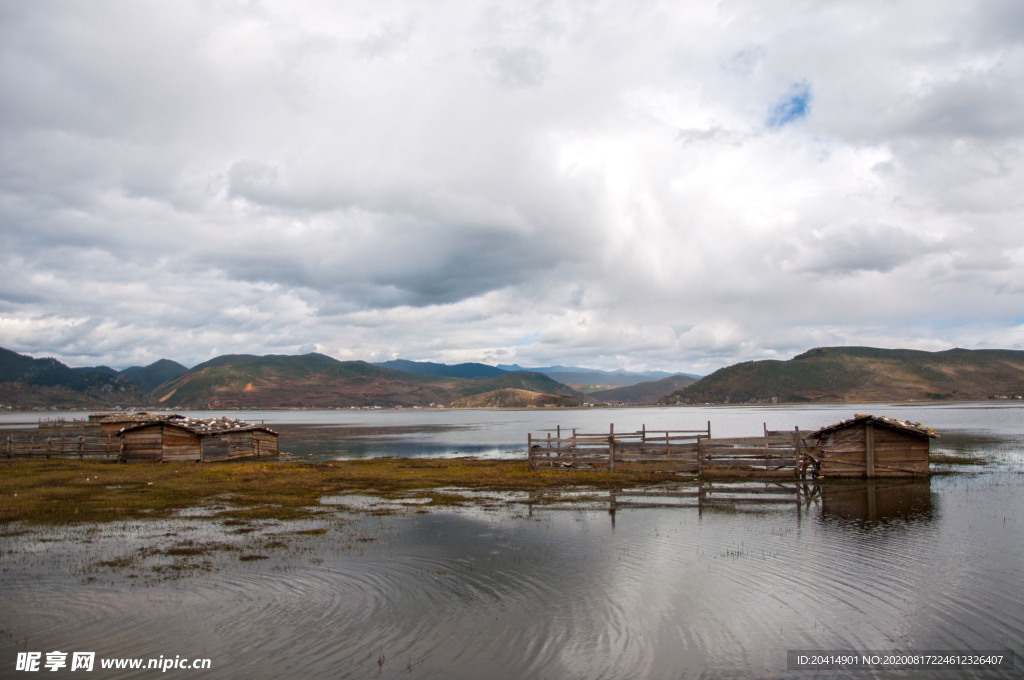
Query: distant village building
column 197, row 439
column 872, row 446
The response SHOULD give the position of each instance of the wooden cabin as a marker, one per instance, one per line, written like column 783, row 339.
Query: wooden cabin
column 871, row 446
column 197, row 439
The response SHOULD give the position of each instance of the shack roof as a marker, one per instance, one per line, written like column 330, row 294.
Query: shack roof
column 204, row 426
column 889, row 423
column 140, row 417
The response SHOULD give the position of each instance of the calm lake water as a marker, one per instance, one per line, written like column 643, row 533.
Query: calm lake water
column 705, row 589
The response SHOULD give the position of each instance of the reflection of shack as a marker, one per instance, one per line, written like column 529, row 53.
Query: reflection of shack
column 871, row 446
column 878, row 501
column 197, row 439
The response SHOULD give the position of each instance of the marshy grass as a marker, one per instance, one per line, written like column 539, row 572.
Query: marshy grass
column 957, row 458
column 63, row 492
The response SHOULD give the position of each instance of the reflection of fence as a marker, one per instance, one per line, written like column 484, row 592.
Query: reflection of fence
column 81, row 446
column 870, row 501
column 692, row 451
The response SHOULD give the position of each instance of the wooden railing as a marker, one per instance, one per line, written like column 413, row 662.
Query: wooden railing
column 676, row 450
column 690, row 451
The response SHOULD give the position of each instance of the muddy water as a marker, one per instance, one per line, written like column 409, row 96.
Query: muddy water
column 707, row 583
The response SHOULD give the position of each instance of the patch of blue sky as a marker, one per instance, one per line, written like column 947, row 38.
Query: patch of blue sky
column 794, row 106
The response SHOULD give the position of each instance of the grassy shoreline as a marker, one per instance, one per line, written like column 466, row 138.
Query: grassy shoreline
column 64, row 492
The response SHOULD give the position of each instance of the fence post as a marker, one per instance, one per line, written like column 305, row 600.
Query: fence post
column 529, row 448
column 81, row 448
column 611, row 447
column 797, row 453
column 700, row 456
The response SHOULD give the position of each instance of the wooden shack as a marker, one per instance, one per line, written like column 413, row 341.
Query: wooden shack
column 197, row 439
column 871, row 446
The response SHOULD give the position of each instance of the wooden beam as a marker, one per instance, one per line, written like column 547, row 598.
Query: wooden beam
column 869, row 449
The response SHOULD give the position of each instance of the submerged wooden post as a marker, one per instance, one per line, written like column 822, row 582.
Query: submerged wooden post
column 529, row 448
column 797, row 452
column 611, row 447
column 700, row 456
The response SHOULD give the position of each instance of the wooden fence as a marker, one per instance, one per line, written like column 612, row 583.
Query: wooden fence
column 684, row 451
column 106, row 446
column 673, row 450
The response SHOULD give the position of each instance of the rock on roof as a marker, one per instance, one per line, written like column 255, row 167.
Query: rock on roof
column 884, row 421
column 203, row 426
column 140, row 417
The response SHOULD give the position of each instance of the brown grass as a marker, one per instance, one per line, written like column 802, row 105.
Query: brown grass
column 59, row 492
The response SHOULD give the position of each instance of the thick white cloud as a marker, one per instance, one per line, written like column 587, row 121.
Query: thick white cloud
column 647, row 184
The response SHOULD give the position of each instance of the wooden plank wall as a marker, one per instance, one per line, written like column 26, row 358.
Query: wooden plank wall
column 845, row 453
column 161, row 442
column 179, row 444
column 232, row 445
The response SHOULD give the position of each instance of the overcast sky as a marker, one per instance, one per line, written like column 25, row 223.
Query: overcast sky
column 649, row 185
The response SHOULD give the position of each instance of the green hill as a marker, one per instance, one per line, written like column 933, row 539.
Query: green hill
column 644, row 393
column 851, row 374
column 509, row 397
column 35, row 383
column 150, row 377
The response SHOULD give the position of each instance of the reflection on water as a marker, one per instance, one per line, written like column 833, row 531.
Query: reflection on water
column 878, row 501
column 719, row 588
column 702, row 581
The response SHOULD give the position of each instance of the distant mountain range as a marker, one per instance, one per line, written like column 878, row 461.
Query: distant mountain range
column 831, row 374
column 852, row 374
column 443, row 370
column 272, row 381
column 318, row 381
column 586, row 380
